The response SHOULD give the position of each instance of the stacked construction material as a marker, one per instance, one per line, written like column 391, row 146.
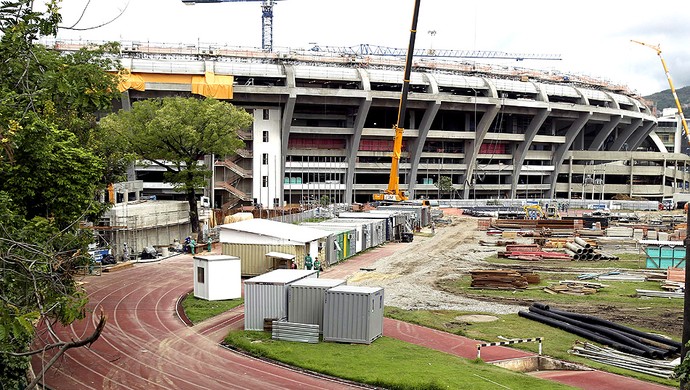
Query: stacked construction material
column 574, row 287
column 580, row 249
column 498, row 279
column 660, row 368
column 531, row 252
column 608, row 333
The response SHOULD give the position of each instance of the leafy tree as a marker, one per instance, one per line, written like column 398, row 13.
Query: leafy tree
column 49, row 175
column 176, row 133
column 444, row 184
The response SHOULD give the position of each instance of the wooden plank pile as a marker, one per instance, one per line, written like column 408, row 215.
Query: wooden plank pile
column 498, row 279
column 118, row 266
column 574, row 287
column 531, row 252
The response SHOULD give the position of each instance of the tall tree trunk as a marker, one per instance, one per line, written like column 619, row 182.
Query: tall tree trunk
column 193, row 210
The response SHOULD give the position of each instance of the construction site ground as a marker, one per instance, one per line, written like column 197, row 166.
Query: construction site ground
column 414, row 278
column 146, row 345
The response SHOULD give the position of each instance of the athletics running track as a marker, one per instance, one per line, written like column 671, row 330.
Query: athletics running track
column 145, row 345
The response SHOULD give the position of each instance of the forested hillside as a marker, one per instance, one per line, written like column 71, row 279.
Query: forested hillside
column 664, row 99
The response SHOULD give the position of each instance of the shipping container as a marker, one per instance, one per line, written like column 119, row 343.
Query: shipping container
column 353, row 314
column 217, row 277
column 306, row 297
column 266, row 296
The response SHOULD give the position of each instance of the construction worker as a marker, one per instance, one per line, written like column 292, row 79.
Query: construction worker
column 308, row 262
column 210, row 244
column 192, row 244
column 317, row 266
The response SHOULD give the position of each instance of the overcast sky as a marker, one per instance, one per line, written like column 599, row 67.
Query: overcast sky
column 593, row 37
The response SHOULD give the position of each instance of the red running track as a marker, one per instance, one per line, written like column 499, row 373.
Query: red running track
column 146, row 346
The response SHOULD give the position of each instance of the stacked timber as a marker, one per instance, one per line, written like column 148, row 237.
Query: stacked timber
column 574, row 287
column 534, row 224
column 531, row 252
column 498, row 279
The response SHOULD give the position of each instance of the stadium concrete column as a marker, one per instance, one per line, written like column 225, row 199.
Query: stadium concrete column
column 354, row 140
column 417, row 145
column 636, row 139
column 535, row 124
column 623, row 135
column 286, row 123
column 557, row 162
column 480, row 131
column 126, row 101
column 608, row 127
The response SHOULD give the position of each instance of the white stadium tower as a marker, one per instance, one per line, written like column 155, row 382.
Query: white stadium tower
column 323, row 126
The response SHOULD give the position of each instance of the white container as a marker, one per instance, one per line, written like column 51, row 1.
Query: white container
column 306, row 297
column 217, row 277
column 265, row 296
column 353, row 314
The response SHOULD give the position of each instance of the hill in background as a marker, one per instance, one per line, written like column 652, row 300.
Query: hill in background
column 664, row 99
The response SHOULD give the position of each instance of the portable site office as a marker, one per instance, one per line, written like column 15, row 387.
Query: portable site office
column 306, row 297
column 395, row 221
column 253, row 239
column 353, row 314
column 266, row 296
column 340, row 244
column 376, row 227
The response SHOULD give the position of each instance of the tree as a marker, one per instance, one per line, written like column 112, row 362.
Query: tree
column 444, row 184
column 176, row 133
column 49, row 176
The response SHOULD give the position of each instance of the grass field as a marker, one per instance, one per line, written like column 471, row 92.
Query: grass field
column 198, row 309
column 388, row 363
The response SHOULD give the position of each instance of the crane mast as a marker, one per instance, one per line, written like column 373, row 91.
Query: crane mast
column 266, row 18
column 393, row 192
column 657, row 48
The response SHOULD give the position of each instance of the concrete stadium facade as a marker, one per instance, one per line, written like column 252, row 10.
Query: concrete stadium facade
column 323, row 128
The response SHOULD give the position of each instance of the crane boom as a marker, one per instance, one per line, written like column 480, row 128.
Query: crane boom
column 393, row 192
column 657, row 48
column 266, row 17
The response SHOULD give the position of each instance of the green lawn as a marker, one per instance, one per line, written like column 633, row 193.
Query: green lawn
column 198, row 309
column 388, row 363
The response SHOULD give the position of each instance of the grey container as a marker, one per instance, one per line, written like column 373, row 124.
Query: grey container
column 353, row 314
column 306, row 297
column 265, row 296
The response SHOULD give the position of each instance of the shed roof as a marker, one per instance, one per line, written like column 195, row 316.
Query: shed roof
column 286, row 231
column 279, row 255
column 281, row 276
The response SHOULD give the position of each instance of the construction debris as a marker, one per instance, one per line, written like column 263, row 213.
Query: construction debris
column 660, row 294
column 574, row 287
column 606, row 355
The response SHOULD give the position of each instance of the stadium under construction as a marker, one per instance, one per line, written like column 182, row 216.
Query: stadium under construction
column 322, row 126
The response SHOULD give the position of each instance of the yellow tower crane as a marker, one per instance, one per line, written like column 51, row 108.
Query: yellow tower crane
column 670, row 83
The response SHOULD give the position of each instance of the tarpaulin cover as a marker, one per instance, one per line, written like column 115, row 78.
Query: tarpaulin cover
column 212, row 85
column 130, row 81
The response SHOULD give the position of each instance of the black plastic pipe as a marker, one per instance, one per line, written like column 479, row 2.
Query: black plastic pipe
column 580, row 332
column 610, row 334
column 613, row 325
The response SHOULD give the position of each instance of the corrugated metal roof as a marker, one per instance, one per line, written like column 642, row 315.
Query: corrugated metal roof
column 281, row 276
column 276, row 229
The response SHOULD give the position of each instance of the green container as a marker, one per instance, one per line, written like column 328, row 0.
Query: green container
column 663, row 257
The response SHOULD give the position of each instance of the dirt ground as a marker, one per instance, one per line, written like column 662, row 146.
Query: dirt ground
column 411, row 277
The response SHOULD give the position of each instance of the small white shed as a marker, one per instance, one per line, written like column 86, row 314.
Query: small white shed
column 217, row 277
